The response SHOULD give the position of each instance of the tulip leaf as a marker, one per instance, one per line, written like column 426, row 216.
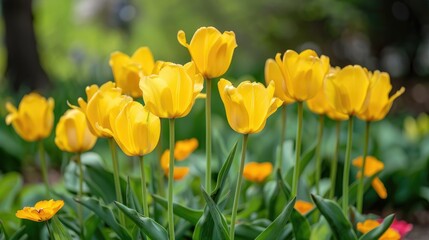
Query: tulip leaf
column 189, row 214
column 3, row 234
column 283, row 186
column 91, row 225
column 378, row 231
column 131, row 199
column 247, row 231
column 301, row 227
column 223, row 173
column 218, row 218
column 340, row 226
column 70, row 223
column 11, row 183
column 147, row 225
column 100, row 182
column 59, row 231
column 19, row 234
column 321, row 230
column 105, row 214
column 279, row 224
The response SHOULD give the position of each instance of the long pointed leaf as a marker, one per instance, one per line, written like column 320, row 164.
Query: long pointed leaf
column 218, row 218
column 223, row 173
column 189, row 214
column 59, row 231
column 301, row 227
column 283, row 186
column 378, row 231
column 340, row 226
column 151, row 228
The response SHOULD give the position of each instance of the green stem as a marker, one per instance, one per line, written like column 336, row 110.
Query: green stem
column 297, row 151
column 144, row 189
column 44, row 168
column 346, row 172
column 159, row 171
column 80, row 194
column 334, row 163
column 116, row 178
column 318, row 156
column 282, row 139
column 170, row 182
column 238, row 187
column 208, row 134
column 362, row 177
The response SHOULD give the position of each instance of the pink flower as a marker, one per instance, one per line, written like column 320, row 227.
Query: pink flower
column 402, row 227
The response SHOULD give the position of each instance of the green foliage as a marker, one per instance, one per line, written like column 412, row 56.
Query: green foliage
column 378, row 231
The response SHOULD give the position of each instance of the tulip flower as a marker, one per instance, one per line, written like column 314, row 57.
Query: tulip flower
column 127, row 70
column 303, row 207
column 72, row 133
column 368, row 225
column 210, row 50
column 34, row 118
column 402, row 227
column 372, row 167
column 377, row 102
column 257, row 172
column 178, row 173
column 42, row 211
column 184, row 148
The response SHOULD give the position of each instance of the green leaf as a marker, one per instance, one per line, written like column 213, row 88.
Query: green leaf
column 151, row 228
column 340, row 226
column 100, row 182
column 353, row 189
column 321, row 230
column 189, row 214
column 378, row 231
column 282, row 185
column 247, row 231
column 218, row 218
column 19, row 234
column 59, row 231
column 279, row 224
column 11, row 183
column 91, row 225
column 105, row 214
column 301, row 227
column 305, row 159
column 223, row 173
column 131, row 199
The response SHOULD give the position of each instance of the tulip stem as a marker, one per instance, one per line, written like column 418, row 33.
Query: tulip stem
column 318, row 157
column 362, row 170
column 334, row 162
column 238, row 187
column 282, row 139
column 44, row 168
column 80, row 194
column 159, row 172
column 144, row 189
column 208, row 134
column 297, row 151
column 346, row 172
column 170, row 182
column 116, row 178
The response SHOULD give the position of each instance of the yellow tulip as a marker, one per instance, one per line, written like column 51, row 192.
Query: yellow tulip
column 42, row 211
column 178, row 172
column 368, row 225
column 135, row 129
column 303, row 207
column 346, row 90
column 302, row 74
column 372, row 167
column 273, row 72
column 127, row 70
column 249, row 105
column 72, row 133
column 184, row 148
column 34, row 118
column 378, row 103
column 257, row 172
column 172, row 93
column 210, row 50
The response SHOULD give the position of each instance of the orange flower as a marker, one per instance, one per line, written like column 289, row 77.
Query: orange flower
column 303, row 207
column 184, row 148
column 257, row 172
column 179, row 172
column 368, row 225
column 372, row 167
column 42, row 211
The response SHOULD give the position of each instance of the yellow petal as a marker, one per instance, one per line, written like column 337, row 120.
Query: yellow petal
column 379, row 188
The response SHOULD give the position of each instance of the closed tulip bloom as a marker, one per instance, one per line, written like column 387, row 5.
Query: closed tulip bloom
column 346, row 90
column 303, row 207
column 378, row 103
column 303, row 73
column 72, row 133
column 372, row 167
column 135, row 129
column 210, row 50
column 34, row 118
column 273, row 72
column 42, row 211
column 249, row 105
column 257, row 172
column 127, row 70
column 178, row 172
column 172, row 93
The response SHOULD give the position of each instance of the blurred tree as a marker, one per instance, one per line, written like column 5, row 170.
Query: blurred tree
column 23, row 67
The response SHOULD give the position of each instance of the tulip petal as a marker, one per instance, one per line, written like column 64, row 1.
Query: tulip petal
column 379, row 188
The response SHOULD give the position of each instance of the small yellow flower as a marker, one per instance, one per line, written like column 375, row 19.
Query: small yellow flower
column 184, row 148
column 372, row 167
column 257, row 172
column 34, row 118
column 346, row 89
column 368, row 225
column 42, row 211
column 302, row 74
column 72, row 133
column 210, row 50
column 178, row 172
column 172, row 93
column 378, row 103
column 303, row 207
column 127, row 70
column 249, row 105
column 135, row 129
